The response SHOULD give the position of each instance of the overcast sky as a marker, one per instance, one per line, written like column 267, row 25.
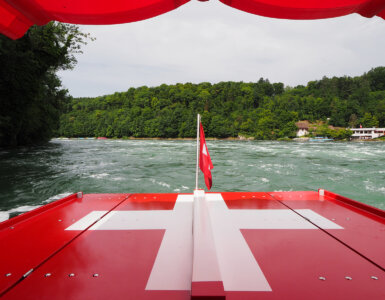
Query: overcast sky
column 212, row 42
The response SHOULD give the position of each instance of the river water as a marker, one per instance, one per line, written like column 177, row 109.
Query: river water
column 30, row 177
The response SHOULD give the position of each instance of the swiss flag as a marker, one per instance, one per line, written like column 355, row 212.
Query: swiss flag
column 205, row 163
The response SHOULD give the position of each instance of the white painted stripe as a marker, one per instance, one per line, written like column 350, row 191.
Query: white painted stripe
column 102, row 220
column 173, row 268
column 134, row 220
column 238, row 267
column 317, row 219
column 220, row 250
column 86, row 221
column 267, row 219
column 175, row 252
column 205, row 263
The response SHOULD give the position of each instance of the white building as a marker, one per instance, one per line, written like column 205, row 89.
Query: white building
column 302, row 128
column 367, row 133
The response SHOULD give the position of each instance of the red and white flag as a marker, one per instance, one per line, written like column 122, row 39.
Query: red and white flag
column 205, row 163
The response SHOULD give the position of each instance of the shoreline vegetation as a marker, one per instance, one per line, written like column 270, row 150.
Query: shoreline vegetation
column 240, row 138
column 256, row 110
column 31, row 93
column 36, row 108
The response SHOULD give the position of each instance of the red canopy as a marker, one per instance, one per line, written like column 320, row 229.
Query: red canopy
column 16, row 16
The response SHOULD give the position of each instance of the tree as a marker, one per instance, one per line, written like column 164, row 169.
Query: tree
column 30, row 92
column 261, row 110
column 353, row 120
column 341, row 134
column 376, row 78
column 369, row 121
column 380, row 112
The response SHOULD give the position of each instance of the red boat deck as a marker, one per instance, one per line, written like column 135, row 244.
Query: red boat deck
column 276, row 245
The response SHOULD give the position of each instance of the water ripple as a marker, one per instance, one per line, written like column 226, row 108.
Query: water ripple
column 32, row 176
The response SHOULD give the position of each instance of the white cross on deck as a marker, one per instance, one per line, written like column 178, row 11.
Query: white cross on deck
column 239, row 271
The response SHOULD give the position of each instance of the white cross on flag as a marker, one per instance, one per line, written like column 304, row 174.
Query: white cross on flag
column 205, row 163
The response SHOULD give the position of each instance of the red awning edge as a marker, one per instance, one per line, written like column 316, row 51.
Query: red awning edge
column 16, row 16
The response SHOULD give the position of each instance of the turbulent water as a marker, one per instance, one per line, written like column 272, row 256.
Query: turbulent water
column 34, row 176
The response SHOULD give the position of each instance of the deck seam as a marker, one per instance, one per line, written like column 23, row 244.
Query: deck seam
column 2, row 293
column 334, row 237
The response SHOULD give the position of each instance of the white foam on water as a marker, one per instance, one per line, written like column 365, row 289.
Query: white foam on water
column 99, row 176
column 103, row 164
column 160, row 183
column 57, row 197
column 373, row 188
column 368, row 153
column 265, row 179
column 24, row 208
column 4, row 215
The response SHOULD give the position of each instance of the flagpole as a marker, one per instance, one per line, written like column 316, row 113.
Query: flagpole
column 197, row 165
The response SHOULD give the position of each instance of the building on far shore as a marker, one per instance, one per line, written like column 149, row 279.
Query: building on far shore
column 367, row 133
column 302, row 128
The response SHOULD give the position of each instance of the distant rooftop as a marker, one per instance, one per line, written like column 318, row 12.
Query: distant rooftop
column 302, row 124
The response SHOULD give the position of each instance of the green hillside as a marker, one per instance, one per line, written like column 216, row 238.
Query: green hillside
column 262, row 110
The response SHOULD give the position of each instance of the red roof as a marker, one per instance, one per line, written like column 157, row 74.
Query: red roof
column 16, row 16
column 302, row 125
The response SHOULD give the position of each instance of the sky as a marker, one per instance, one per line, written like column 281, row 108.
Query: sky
column 211, row 42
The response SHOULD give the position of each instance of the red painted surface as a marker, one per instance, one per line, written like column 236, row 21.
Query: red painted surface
column 210, row 290
column 16, row 16
column 122, row 260
column 307, row 10
column 292, row 260
column 249, row 200
column 367, row 210
column 26, row 241
column 149, row 202
column 363, row 231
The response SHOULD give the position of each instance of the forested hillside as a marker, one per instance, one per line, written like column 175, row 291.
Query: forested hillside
column 31, row 95
column 262, row 110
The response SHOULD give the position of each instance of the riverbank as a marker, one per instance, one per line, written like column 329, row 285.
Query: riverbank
column 239, row 138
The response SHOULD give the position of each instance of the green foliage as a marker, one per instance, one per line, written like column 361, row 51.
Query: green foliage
column 229, row 109
column 369, row 121
column 31, row 97
column 335, row 133
column 33, row 103
column 341, row 134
